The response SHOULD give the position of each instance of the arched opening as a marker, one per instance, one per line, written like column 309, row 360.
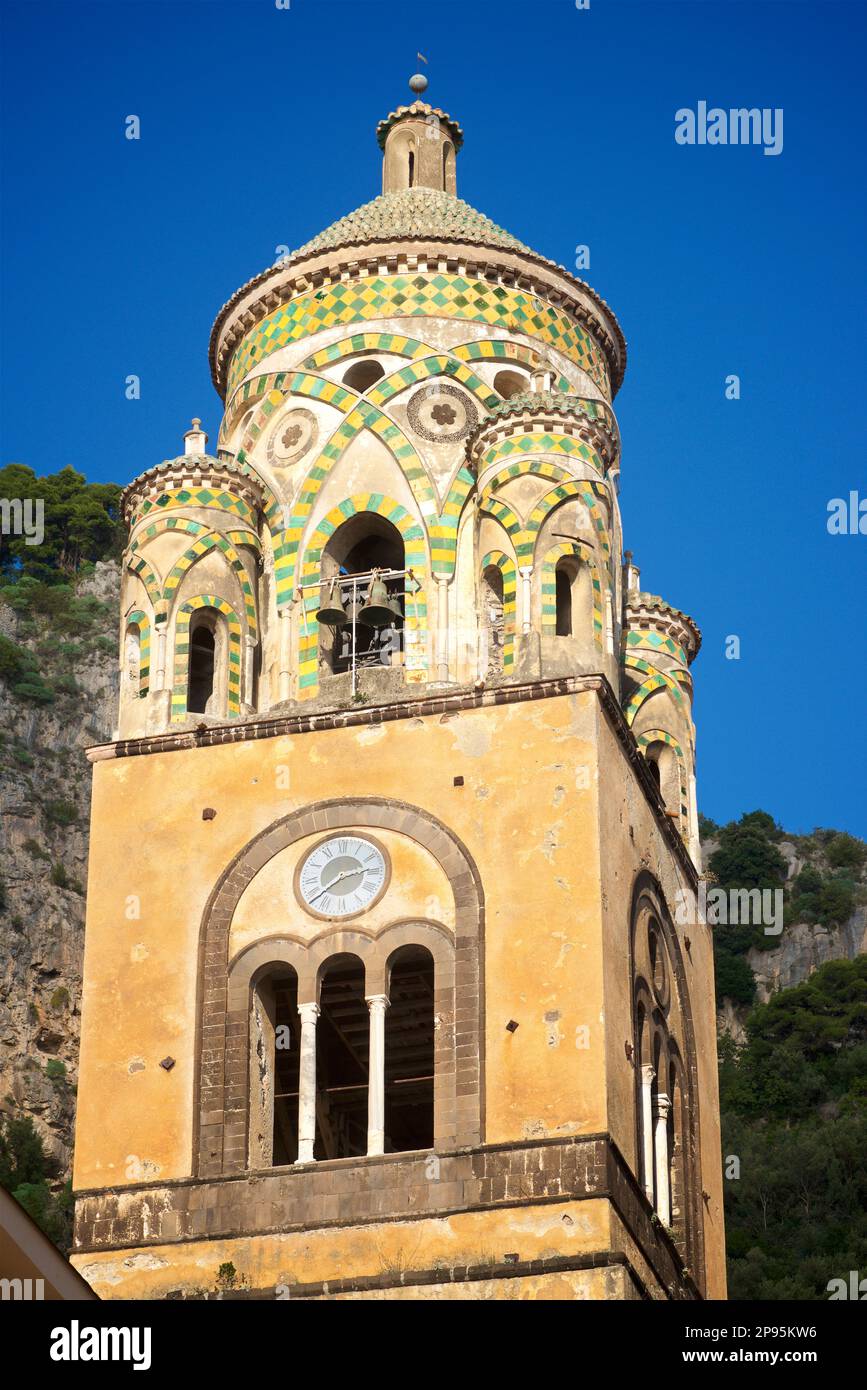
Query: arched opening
column 564, row 576
column 202, row 665
column 363, row 374
column 509, row 383
column 365, row 542
column 448, row 167
column 132, row 660
column 342, row 1043
column 662, row 763
column 412, row 168
column 275, row 1041
column 409, row 1051
column 493, row 623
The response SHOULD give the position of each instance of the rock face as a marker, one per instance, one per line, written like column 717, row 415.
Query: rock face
column 802, row 949
column 44, row 817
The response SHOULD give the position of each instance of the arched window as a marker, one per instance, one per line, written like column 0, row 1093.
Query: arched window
column 342, row 1046
column 274, row 1068
column 200, row 685
column 363, row 374
column 449, row 167
column 492, row 618
column 365, row 542
column 564, row 575
column 664, row 768
column 666, row 1149
column 409, row 1051
column 509, row 383
column 412, row 168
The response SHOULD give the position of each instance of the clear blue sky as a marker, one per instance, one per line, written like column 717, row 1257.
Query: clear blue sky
column 258, row 129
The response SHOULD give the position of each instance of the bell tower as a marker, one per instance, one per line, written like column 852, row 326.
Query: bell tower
column 394, row 983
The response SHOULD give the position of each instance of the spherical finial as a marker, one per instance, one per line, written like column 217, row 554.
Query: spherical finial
column 418, row 83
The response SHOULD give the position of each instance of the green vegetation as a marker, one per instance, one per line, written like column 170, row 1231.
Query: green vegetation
column 794, row 1115
column 55, row 1070
column 747, row 856
column 81, row 523
column 25, row 1170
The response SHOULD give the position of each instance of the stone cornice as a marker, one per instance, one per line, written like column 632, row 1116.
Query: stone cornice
column 650, row 611
column 284, row 726
column 550, row 415
column 523, row 270
column 419, row 109
column 189, row 471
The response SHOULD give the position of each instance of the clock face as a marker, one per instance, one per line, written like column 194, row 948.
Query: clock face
column 342, row 876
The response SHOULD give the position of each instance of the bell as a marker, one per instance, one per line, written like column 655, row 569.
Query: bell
column 332, row 612
column 397, row 611
column 376, row 612
column 355, row 612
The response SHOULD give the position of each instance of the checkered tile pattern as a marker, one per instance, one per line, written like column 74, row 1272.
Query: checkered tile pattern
column 431, row 295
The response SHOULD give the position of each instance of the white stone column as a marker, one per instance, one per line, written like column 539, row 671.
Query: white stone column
column 442, row 626
column 307, row 1083
column 663, row 1184
column 647, row 1075
column 377, row 1004
column 526, row 573
column 159, row 681
column 284, row 631
column 249, row 658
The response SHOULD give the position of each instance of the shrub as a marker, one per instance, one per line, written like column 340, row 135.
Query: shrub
column 59, row 999
column 60, row 812
column 55, row 1070
column 846, row 852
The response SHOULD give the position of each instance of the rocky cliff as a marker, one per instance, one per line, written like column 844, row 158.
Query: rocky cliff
column 44, row 816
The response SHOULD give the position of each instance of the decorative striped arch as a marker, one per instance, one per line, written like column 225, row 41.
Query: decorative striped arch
column 146, row 574
column 506, row 566
column 444, row 534
column 182, row 654
column 543, row 508
column 540, row 468
column 542, row 442
column 190, row 528
column 655, row 680
column 439, row 365
column 549, row 586
column 415, row 621
column 504, row 514
column 139, row 619
column 206, row 543
column 503, row 350
column 660, row 736
column 395, row 343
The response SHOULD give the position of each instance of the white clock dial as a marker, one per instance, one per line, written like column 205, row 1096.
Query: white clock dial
column 341, row 876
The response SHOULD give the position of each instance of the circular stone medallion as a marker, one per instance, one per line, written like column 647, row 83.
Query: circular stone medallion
column 292, row 436
column 442, row 413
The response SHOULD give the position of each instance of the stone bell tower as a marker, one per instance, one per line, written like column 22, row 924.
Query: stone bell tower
column 388, row 991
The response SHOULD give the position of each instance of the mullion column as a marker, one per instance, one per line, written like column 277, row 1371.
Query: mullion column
column 377, row 1004
column 309, row 1013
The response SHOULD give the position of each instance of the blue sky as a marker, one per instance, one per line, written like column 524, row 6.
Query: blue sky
column 258, row 130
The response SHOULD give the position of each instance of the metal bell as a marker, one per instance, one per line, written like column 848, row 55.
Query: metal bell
column 355, row 613
column 376, row 611
column 397, row 611
column 332, row 611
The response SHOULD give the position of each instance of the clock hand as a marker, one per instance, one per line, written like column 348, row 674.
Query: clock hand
column 346, row 873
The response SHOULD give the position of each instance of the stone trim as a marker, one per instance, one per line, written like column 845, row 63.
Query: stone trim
column 221, row 1101
column 466, row 1274
column 392, row 1188
column 284, row 726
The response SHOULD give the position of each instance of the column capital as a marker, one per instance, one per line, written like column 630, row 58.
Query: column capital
column 647, row 1073
column 377, row 1001
column 663, row 1105
column 309, row 1012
